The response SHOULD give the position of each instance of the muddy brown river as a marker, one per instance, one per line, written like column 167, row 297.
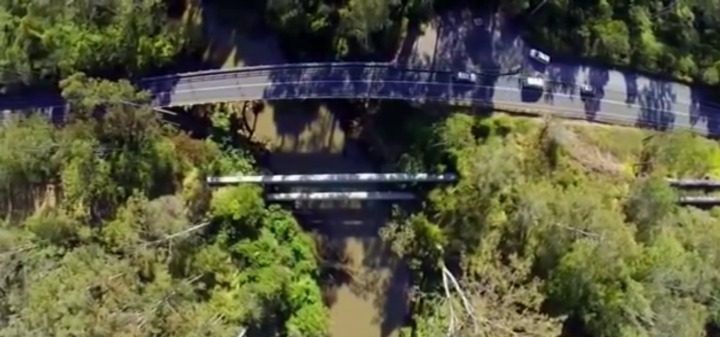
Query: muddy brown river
column 372, row 300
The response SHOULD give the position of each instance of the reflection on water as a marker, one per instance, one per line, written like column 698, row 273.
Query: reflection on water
column 364, row 286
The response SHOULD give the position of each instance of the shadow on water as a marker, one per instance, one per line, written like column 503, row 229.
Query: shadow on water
column 358, row 273
column 291, row 118
column 394, row 305
column 372, row 274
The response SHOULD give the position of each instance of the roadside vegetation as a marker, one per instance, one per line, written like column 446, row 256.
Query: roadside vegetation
column 108, row 229
column 676, row 38
column 560, row 230
column 42, row 42
column 555, row 229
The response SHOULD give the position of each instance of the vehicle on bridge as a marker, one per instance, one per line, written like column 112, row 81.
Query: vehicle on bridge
column 533, row 82
column 586, row 91
column 539, row 56
column 465, row 76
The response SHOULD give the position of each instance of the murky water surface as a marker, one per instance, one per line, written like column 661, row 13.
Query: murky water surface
column 373, row 301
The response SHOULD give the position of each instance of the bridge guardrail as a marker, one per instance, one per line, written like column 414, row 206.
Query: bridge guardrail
column 241, row 70
column 253, row 71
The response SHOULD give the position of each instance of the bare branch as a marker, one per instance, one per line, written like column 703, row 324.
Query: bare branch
column 465, row 301
column 174, row 235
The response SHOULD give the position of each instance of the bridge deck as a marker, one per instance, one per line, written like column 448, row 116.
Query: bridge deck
column 343, row 178
column 699, row 200
column 358, row 195
column 694, row 183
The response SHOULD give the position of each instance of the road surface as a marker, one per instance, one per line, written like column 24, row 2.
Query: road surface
column 621, row 99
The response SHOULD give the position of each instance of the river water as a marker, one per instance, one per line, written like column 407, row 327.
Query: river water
column 370, row 299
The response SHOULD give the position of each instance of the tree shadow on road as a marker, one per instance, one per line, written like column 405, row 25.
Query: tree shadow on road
column 704, row 107
column 631, row 87
column 656, row 102
column 597, row 79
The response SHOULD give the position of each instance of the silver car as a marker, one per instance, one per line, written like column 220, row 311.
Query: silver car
column 464, row 76
column 586, row 91
column 539, row 56
column 534, row 82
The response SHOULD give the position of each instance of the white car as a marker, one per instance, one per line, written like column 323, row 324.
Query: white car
column 534, row 82
column 586, row 90
column 467, row 77
column 539, row 56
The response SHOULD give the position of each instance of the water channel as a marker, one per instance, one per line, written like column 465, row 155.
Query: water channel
column 373, row 301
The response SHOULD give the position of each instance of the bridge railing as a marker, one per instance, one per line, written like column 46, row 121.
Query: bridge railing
column 694, row 183
column 341, row 196
column 334, row 178
column 243, row 71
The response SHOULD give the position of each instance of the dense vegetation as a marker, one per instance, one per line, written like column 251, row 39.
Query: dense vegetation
column 561, row 229
column 109, row 229
column 48, row 40
column 679, row 38
column 336, row 28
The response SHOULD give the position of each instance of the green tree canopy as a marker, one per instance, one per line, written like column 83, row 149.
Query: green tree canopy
column 48, row 40
column 119, row 235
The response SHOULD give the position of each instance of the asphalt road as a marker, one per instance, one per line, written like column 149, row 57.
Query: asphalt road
column 628, row 100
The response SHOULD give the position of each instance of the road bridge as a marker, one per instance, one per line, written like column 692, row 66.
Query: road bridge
column 694, row 183
column 335, row 179
column 654, row 107
column 704, row 185
column 341, row 196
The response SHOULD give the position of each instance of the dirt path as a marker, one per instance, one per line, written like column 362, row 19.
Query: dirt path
column 310, row 139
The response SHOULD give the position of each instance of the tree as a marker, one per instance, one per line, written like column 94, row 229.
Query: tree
column 130, row 241
column 53, row 39
column 532, row 230
column 672, row 277
column 361, row 18
column 122, row 139
column 611, row 41
column 650, row 201
column 680, row 154
column 27, row 148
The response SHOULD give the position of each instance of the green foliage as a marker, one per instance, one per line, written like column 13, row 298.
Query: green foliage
column 611, row 42
column 650, row 201
column 336, row 28
column 606, row 254
column 681, row 154
column 276, row 261
column 56, row 228
column 241, row 204
column 49, row 40
column 27, row 148
column 26, row 154
column 112, row 155
column 361, row 18
column 679, row 38
column 125, row 239
column 418, row 240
